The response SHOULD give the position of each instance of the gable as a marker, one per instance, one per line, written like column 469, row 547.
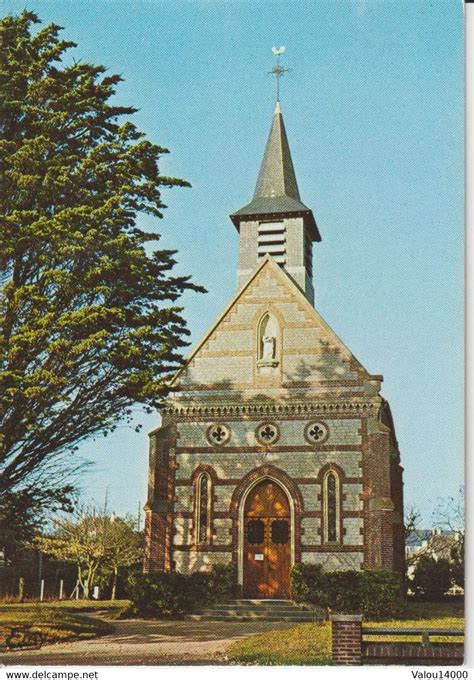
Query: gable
column 307, row 351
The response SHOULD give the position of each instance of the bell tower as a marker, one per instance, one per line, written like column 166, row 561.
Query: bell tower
column 276, row 222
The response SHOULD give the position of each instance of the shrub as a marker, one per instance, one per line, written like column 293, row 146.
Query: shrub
column 172, row 594
column 373, row 593
column 382, row 593
column 307, row 584
column 345, row 590
column 160, row 594
column 223, row 582
column 432, row 578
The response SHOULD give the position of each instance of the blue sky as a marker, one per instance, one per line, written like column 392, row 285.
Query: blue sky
column 373, row 108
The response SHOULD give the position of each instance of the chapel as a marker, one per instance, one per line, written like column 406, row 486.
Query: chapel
column 276, row 446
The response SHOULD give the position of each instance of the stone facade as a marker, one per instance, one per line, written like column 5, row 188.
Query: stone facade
column 271, row 393
column 316, row 380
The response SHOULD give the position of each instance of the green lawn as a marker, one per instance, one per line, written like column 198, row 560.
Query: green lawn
column 59, row 621
column 310, row 643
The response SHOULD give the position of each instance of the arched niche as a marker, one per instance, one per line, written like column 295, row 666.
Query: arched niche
column 268, row 342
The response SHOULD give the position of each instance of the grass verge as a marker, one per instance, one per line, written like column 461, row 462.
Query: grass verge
column 59, row 621
column 310, row 644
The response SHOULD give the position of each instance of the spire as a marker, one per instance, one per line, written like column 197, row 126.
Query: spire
column 277, row 174
column 276, row 191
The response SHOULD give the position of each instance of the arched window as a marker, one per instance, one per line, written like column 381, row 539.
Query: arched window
column 332, row 512
column 203, row 508
column 268, row 336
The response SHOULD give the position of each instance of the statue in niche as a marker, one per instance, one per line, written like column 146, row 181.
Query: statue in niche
column 267, row 354
column 268, row 347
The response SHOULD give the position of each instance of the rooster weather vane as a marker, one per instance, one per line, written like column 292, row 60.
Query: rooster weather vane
column 278, row 70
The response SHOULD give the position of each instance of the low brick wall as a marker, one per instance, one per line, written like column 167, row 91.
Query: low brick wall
column 409, row 653
column 346, row 639
column 349, row 649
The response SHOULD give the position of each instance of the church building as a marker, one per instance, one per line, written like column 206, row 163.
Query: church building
column 276, row 446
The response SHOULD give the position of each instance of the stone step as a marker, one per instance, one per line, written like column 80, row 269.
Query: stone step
column 268, row 610
column 264, row 612
column 258, row 616
column 261, row 602
column 259, row 610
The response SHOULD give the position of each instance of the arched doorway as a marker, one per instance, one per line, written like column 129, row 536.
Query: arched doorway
column 267, row 542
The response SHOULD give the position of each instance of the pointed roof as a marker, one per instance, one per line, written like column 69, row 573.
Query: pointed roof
column 277, row 174
column 276, row 191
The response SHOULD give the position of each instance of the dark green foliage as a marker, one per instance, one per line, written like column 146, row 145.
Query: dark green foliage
column 160, row 594
column 307, row 584
column 346, row 591
column 22, row 516
column 164, row 594
column 432, row 578
column 457, row 564
column 223, row 582
column 373, row 593
column 382, row 594
column 88, row 318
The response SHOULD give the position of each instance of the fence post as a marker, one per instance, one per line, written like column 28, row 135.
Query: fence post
column 21, row 588
column 346, row 639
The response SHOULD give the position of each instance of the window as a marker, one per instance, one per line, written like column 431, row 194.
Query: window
column 280, row 532
column 331, row 495
column 203, row 508
column 255, row 531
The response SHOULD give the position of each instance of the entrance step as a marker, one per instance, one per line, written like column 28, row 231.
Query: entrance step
column 259, row 610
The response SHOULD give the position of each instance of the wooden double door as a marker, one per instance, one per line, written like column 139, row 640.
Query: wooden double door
column 267, row 542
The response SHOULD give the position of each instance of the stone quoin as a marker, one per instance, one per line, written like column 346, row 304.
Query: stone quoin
column 276, row 446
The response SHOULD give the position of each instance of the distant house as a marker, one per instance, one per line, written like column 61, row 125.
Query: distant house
column 436, row 543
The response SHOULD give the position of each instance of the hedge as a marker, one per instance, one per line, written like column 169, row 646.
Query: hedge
column 373, row 593
column 171, row 594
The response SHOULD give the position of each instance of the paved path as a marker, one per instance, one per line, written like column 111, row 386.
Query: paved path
column 136, row 642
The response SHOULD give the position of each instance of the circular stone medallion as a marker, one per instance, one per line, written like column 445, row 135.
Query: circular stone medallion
column 267, row 433
column 218, row 434
column 316, row 432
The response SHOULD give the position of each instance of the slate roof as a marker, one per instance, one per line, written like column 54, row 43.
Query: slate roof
column 276, row 192
column 437, row 542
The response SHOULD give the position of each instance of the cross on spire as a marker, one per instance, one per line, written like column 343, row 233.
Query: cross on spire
column 278, row 70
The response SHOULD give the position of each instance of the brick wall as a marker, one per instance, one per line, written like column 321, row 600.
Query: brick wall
column 159, row 505
column 348, row 648
column 346, row 639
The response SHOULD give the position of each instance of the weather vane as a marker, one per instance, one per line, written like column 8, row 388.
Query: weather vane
column 278, row 70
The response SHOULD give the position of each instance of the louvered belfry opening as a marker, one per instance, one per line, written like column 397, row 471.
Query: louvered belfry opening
column 271, row 240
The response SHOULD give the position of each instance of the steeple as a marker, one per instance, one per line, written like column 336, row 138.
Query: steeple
column 277, row 174
column 276, row 222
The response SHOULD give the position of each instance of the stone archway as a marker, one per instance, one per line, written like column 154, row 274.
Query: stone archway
column 279, row 554
column 267, row 529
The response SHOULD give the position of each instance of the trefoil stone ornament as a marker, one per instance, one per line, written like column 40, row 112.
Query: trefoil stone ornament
column 267, row 433
column 316, row 432
column 218, row 434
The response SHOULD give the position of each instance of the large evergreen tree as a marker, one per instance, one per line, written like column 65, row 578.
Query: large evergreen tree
column 88, row 320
